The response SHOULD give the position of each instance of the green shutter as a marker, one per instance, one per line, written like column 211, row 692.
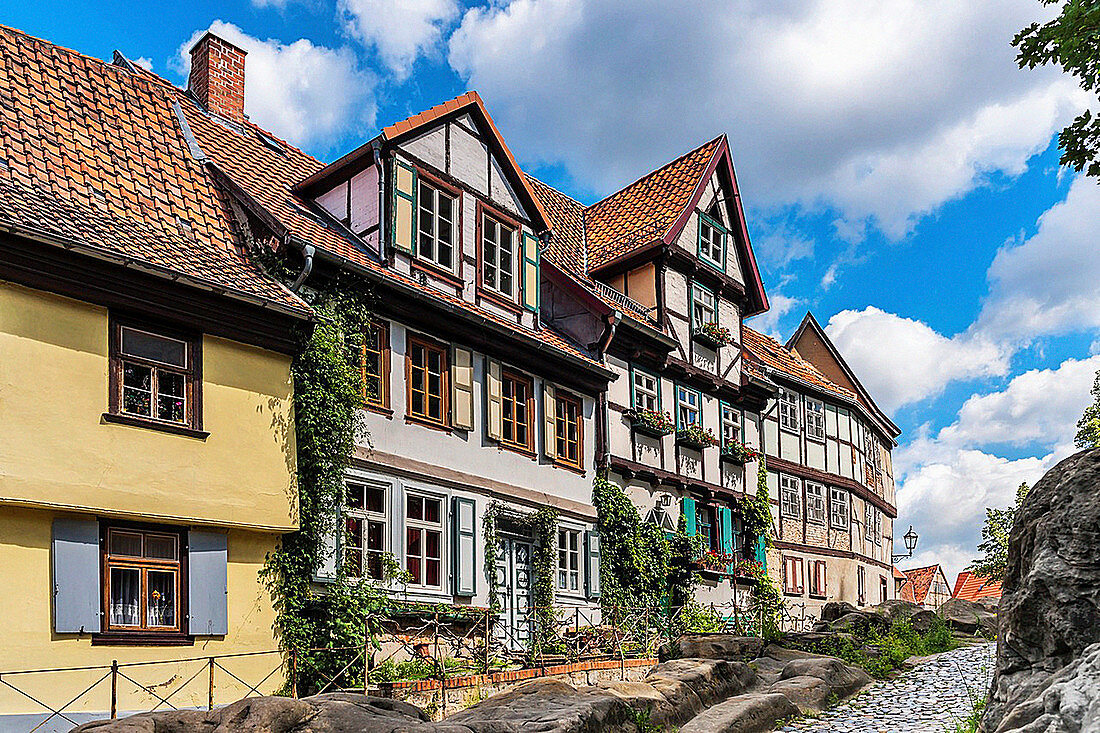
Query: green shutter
column 761, row 555
column 592, row 564
column 530, row 279
column 725, row 519
column 403, row 207
column 465, row 547
column 688, row 507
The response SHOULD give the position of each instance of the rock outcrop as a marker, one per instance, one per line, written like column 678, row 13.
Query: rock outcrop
column 1070, row 703
column 1050, row 607
column 969, row 617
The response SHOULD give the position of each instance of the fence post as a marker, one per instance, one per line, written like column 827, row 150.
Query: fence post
column 294, row 674
column 487, row 630
column 366, row 654
column 114, row 689
column 210, row 691
column 439, row 663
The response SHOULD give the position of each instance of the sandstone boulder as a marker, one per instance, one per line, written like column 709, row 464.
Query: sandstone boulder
column 835, row 609
column 753, row 713
column 1071, row 703
column 544, row 706
column 329, row 712
column 923, row 620
column 712, row 646
column 842, row 679
column 969, row 617
column 896, row 609
column 1050, row 607
column 859, row 622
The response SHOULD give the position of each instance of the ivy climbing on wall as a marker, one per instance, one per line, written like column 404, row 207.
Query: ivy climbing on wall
column 328, row 423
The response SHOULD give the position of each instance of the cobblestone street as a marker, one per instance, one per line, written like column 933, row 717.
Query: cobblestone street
column 928, row 699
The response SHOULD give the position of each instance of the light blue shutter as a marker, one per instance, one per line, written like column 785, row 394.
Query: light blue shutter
column 592, row 564
column 688, row 505
column 530, row 280
column 465, row 547
column 76, row 581
column 207, row 558
column 725, row 518
column 761, row 554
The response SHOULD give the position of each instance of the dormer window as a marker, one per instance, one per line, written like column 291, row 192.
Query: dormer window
column 436, row 226
column 712, row 242
column 498, row 257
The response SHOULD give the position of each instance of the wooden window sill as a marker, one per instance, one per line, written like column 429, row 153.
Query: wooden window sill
column 144, row 422
column 379, row 409
column 569, row 467
column 141, row 638
column 523, row 451
column 424, row 422
column 498, row 299
column 431, row 269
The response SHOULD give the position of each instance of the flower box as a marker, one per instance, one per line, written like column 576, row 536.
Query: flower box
column 651, row 422
column 713, row 335
column 694, row 436
column 735, row 451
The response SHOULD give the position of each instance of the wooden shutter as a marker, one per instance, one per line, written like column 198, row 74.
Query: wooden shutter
column 530, row 272
column 688, row 507
column 207, row 559
column 725, row 519
column 550, row 423
column 404, row 207
column 592, row 564
column 76, row 576
column 329, row 549
column 465, row 547
column 495, row 397
column 462, row 389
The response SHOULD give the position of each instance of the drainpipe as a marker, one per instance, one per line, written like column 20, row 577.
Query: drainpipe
column 307, row 250
column 376, row 153
column 609, row 333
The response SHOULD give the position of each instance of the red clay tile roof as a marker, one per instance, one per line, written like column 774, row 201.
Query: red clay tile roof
column 566, row 214
column 971, row 587
column 94, row 155
column 766, row 351
column 920, row 580
column 644, row 211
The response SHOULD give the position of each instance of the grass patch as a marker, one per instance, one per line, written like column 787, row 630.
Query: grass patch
column 970, row 723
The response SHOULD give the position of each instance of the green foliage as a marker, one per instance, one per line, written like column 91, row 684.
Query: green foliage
column 891, row 647
column 756, row 510
column 635, row 555
column 972, row 721
column 643, row 721
column 1088, row 427
column 328, row 423
column 1072, row 40
column 994, row 545
column 697, row 619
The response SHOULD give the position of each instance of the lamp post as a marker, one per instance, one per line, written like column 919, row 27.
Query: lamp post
column 910, row 539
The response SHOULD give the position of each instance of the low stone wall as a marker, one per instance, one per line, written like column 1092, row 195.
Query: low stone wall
column 439, row 699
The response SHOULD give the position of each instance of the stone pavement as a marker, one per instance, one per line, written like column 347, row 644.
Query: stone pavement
column 929, row 698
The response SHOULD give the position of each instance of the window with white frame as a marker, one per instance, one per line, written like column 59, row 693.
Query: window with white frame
column 645, row 390
column 790, row 496
column 730, row 419
column 687, row 407
column 868, row 522
column 498, row 256
column 815, row 502
column 364, row 531
column 788, row 410
column 712, row 241
column 878, row 527
column 436, row 225
column 424, row 540
column 815, row 419
column 838, row 508
column 569, row 560
column 703, row 307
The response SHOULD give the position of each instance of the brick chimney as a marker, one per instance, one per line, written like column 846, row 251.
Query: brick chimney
column 217, row 76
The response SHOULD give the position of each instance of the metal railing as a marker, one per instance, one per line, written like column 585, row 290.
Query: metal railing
column 624, row 301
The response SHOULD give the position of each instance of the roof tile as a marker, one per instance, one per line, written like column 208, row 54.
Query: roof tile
column 765, row 351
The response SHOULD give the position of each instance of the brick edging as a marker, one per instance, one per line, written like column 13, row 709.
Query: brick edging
column 514, row 675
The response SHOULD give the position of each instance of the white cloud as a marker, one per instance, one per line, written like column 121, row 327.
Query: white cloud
column 305, row 93
column 1049, row 283
column 400, row 30
column 144, row 62
column 768, row 322
column 783, row 245
column 882, row 110
column 902, row 360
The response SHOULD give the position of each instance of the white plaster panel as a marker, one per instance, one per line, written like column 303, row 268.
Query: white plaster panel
column 815, row 455
column 364, row 199
column 501, row 191
column 788, row 446
column 469, row 160
column 430, row 147
column 335, row 201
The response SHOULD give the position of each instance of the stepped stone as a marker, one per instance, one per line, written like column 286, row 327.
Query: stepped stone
column 712, row 646
column 743, row 714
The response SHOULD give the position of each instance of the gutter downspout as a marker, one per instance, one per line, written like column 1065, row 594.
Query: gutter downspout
column 603, row 425
column 376, row 153
column 307, row 250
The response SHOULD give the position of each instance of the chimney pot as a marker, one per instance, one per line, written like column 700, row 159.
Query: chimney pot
column 217, row 76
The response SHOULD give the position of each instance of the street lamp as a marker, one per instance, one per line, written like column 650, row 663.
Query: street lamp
column 910, row 539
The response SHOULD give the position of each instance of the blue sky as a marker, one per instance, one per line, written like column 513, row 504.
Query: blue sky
column 900, row 174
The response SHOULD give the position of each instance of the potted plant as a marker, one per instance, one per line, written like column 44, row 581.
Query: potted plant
column 651, row 422
column 713, row 335
column 696, row 436
column 737, row 452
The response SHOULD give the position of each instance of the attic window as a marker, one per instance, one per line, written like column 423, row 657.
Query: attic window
column 4, row 163
column 183, row 224
column 271, row 142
